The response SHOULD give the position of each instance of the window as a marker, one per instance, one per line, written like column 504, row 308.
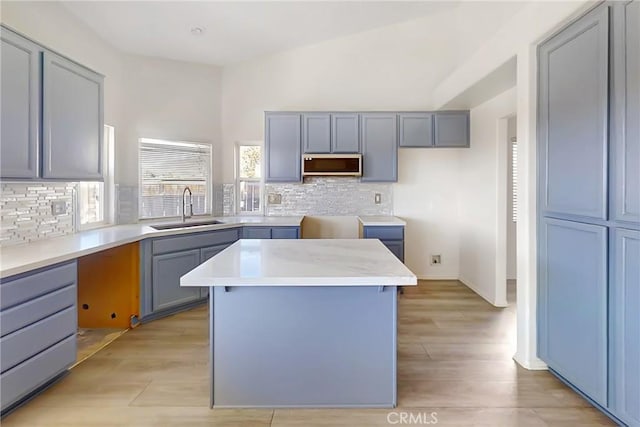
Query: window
column 95, row 199
column 514, row 179
column 249, row 178
column 166, row 168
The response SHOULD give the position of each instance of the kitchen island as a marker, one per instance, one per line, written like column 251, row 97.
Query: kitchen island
column 303, row 323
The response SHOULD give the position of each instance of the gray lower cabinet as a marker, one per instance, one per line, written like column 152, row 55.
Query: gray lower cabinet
column 451, row 129
column 167, row 270
column 390, row 236
column 39, row 321
column 283, row 155
column 415, row 129
column 379, row 147
column 20, row 81
column 271, row 233
column 72, row 120
column 165, row 259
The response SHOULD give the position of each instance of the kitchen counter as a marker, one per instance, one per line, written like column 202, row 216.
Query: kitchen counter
column 307, row 262
column 302, row 323
column 29, row 256
column 369, row 221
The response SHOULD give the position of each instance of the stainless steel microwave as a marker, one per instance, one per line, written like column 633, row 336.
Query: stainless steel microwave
column 332, row 164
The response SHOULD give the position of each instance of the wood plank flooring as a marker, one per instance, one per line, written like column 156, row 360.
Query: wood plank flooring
column 454, row 360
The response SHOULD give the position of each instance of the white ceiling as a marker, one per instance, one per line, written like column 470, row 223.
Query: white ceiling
column 236, row 30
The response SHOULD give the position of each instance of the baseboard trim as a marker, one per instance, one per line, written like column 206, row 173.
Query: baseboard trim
column 534, row 364
column 469, row 284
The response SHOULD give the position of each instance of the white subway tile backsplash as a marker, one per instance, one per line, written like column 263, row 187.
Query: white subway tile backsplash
column 25, row 212
column 330, row 196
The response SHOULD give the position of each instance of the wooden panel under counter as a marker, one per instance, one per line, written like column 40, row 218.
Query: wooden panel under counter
column 109, row 287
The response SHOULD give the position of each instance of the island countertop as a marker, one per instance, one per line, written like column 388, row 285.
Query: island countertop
column 305, row 262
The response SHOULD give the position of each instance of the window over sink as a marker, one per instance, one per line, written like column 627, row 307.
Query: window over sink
column 166, row 168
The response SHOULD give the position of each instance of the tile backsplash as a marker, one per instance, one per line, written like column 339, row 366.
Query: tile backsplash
column 330, row 196
column 26, row 214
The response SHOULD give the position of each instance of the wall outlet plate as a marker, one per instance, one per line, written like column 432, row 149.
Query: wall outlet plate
column 58, row 207
column 274, row 198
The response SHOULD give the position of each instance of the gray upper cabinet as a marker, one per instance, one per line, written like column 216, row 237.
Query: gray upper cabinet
column 625, row 113
column 330, row 133
column 316, row 132
column 379, row 147
column 73, row 120
column 283, row 157
column 451, row 129
column 345, row 133
column 416, row 129
column 573, row 92
column 20, row 74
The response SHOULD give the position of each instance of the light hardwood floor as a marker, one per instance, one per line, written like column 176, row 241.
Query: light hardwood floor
column 454, row 359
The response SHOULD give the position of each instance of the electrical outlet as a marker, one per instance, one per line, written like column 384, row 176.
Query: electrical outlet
column 274, row 198
column 436, row 260
column 58, row 207
column 378, row 198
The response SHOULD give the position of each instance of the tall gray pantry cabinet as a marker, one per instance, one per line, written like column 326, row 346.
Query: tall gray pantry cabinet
column 589, row 207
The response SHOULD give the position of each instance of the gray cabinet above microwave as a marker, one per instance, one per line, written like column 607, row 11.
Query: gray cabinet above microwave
column 324, row 133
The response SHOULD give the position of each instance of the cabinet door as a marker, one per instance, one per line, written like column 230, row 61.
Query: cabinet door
column 167, row 270
column 379, row 147
column 573, row 124
column 316, row 133
column 206, row 253
column 451, row 129
column 396, row 247
column 625, row 112
column 345, row 133
column 72, row 120
column 625, row 325
column 416, row 129
column 20, row 82
column 256, row 233
column 284, row 232
column 282, row 147
column 572, row 303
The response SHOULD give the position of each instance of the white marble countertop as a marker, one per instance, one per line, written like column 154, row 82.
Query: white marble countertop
column 304, row 262
column 381, row 221
column 29, row 256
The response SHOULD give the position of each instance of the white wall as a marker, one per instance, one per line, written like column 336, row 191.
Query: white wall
column 168, row 100
column 511, row 226
column 390, row 68
column 480, row 211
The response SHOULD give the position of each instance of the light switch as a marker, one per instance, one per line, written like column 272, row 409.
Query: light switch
column 378, row 198
column 274, row 198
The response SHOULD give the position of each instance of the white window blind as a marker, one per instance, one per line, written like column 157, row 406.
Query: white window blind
column 166, row 168
column 514, row 179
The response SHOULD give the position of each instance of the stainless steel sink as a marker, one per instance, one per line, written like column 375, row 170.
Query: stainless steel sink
column 185, row 224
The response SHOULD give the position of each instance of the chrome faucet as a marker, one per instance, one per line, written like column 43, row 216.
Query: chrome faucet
column 185, row 216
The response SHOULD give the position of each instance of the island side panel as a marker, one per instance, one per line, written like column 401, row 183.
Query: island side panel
column 304, row 346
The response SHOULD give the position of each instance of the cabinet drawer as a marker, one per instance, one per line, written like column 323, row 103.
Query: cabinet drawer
column 284, row 233
column 29, row 341
column 256, row 233
column 384, row 233
column 193, row 241
column 25, row 314
column 13, row 292
column 18, row 382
